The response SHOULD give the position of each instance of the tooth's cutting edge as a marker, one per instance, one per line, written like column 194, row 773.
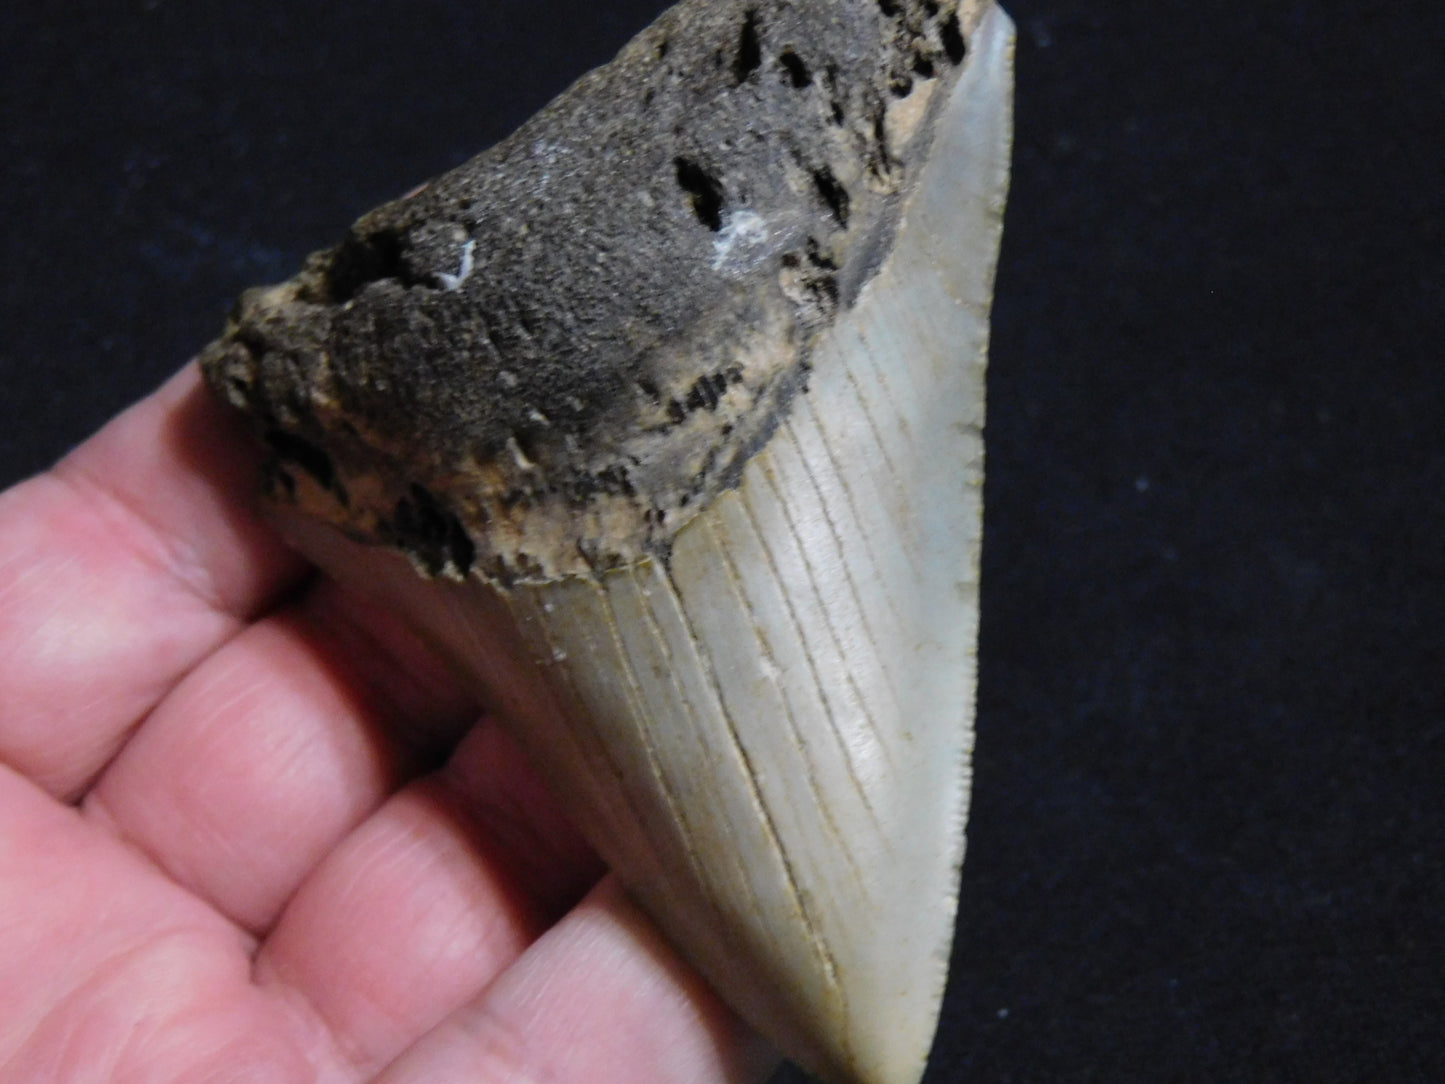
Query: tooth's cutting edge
column 701, row 519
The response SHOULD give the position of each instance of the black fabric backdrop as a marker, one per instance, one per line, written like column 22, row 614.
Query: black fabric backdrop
column 1207, row 826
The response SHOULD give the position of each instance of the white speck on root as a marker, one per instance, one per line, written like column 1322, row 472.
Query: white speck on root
column 453, row 282
column 742, row 235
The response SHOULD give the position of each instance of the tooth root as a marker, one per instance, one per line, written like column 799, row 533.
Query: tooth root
column 765, row 728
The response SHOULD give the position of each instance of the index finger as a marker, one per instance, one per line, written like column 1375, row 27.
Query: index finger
column 120, row 569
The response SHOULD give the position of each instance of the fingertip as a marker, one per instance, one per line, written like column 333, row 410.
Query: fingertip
column 185, row 465
column 601, row 999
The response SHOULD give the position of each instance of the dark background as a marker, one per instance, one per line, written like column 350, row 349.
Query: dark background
column 1206, row 839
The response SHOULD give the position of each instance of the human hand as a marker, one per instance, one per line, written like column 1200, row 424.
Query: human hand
column 248, row 830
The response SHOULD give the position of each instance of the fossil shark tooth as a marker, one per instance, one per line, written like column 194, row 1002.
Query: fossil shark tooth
column 663, row 419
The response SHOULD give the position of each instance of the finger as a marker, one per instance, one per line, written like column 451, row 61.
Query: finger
column 275, row 747
column 599, row 998
column 54, row 873
column 108, row 971
column 424, row 904
column 120, row 569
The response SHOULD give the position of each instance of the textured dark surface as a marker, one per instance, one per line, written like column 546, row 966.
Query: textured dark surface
column 1207, row 832
column 565, row 347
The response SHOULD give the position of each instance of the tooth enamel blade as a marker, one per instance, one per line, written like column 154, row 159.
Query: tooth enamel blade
column 719, row 571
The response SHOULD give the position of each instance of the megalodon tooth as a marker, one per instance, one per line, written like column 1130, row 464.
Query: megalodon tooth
column 663, row 420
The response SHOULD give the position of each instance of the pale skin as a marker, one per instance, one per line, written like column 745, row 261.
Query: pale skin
column 251, row 830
